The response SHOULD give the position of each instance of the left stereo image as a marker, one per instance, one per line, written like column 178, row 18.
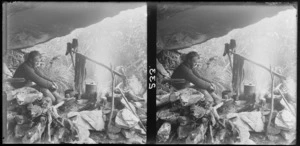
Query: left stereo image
column 74, row 73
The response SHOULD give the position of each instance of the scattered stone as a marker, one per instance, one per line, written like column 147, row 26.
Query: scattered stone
column 289, row 136
column 85, row 121
column 139, row 129
column 166, row 115
column 138, row 104
column 174, row 96
column 113, row 136
column 242, row 128
column 89, row 141
column 195, row 136
column 136, row 140
column 183, row 120
column 85, row 141
column 162, row 99
column 220, row 135
column 126, row 119
column 35, row 110
column 246, row 142
column 285, row 120
column 26, row 95
column 274, row 138
column 198, row 111
column 128, row 133
column 184, row 130
column 83, row 132
column 273, row 130
column 254, row 120
column 94, row 118
column 35, row 133
column 190, row 96
column 244, row 134
column 21, row 130
column 163, row 133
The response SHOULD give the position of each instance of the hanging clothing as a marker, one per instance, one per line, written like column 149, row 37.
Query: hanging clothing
column 237, row 73
column 80, row 73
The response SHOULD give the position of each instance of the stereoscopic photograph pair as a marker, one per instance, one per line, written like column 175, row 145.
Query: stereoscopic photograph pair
column 149, row 73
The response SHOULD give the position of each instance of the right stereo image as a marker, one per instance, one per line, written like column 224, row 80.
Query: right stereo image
column 226, row 73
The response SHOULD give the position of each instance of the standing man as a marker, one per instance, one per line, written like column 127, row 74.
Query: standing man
column 30, row 72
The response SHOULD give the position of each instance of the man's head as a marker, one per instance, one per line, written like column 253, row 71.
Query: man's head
column 192, row 58
column 34, row 57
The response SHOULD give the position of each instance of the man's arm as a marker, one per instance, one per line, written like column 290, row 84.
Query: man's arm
column 199, row 76
column 31, row 75
column 198, row 82
column 39, row 73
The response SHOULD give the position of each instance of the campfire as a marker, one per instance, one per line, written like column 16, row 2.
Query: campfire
column 32, row 118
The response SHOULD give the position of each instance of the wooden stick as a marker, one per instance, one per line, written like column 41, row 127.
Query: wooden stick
column 113, row 99
column 231, row 66
column 74, row 89
column 288, row 105
column 272, row 72
column 123, row 96
column 49, row 126
column 101, row 64
column 272, row 101
column 230, row 61
column 58, row 105
column 132, row 109
column 72, row 60
column 215, row 113
column 280, row 92
column 211, row 134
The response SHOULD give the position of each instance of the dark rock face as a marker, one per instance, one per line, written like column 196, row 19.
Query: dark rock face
column 32, row 23
column 183, row 25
